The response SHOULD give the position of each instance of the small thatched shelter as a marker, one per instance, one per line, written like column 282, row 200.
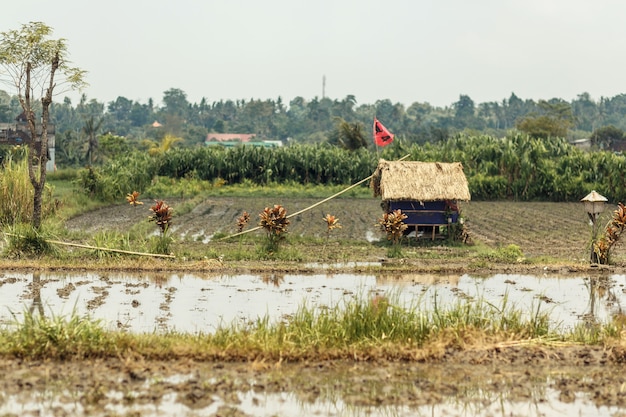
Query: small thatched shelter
column 427, row 192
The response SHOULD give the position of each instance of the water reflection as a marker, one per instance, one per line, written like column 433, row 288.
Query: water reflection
column 601, row 293
column 202, row 303
column 274, row 279
column 35, row 287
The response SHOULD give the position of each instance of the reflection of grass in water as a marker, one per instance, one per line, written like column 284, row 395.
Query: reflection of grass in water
column 359, row 328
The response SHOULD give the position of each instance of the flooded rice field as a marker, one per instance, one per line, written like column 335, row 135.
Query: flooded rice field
column 201, row 303
column 319, row 389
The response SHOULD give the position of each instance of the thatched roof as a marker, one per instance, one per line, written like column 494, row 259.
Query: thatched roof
column 420, row 181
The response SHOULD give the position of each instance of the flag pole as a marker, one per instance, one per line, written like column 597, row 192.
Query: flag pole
column 374, row 134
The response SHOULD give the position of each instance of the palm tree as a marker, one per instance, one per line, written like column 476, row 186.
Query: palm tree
column 166, row 144
column 90, row 129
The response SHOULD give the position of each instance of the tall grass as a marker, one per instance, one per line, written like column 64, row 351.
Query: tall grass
column 375, row 326
column 23, row 240
column 16, row 192
column 57, row 337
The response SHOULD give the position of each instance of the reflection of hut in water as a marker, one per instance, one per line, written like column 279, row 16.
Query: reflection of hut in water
column 428, row 193
column 421, row 278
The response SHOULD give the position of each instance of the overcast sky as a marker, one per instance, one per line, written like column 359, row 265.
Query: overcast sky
column 403, row 50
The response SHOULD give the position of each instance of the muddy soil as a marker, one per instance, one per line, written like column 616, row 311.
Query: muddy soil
column 474, row 380
column 558, row 230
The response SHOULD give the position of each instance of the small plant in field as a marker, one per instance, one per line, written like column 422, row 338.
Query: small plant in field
column 612, row 233
column 275, row 222
column 162, row 216
column 332, row 223
column 393, row 225
column 132, row 198
column 242, row 221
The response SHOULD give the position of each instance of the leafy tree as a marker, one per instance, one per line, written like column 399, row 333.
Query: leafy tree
column 586, row 112
column 36, row 65
column 554, row 122
column 176, row 103
column 113, row 146
column 605, row 137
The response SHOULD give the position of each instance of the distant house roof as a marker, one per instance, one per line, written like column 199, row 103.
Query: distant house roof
column 420, row 181
column 224, row 137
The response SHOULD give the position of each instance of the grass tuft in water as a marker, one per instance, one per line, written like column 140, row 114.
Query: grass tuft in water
column 366, row 326
column 57, row 337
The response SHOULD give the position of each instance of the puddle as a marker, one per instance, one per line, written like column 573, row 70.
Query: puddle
column 340, row 265
column 194, row 303
column 286, row 404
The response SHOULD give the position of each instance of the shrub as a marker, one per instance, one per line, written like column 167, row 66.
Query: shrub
column 275, row 222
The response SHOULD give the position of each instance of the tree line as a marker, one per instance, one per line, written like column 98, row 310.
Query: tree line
column 341, row 122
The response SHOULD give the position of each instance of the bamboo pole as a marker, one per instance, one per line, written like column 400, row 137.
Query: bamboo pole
column 78, row 245
column 312, row 206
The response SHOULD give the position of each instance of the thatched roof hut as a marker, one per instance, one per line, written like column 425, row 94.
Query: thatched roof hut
column 420, row 181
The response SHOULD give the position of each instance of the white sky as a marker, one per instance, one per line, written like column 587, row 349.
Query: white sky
column 403, row 50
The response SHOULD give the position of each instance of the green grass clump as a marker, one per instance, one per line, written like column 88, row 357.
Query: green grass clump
column 365, row 327
column 507, row 254
column 57, row 337
column 25, row 241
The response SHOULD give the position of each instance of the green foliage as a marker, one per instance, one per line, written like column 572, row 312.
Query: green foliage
column 16, row 192
column 111, row 146
column 113, row 180
column 552, row 120
column 162, row 217
column 607, row 137
column 368, row 322
column 184, row 187
column 508, row 254
column 34, row 65
column 161, row 244
column 516, row 167
column 110, row 239
column 24, row 240
column 66, row 174
column 343, row 330
column 348, row 136
column 57, row 337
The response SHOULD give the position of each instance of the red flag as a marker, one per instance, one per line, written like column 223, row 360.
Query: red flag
column 382, row 137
